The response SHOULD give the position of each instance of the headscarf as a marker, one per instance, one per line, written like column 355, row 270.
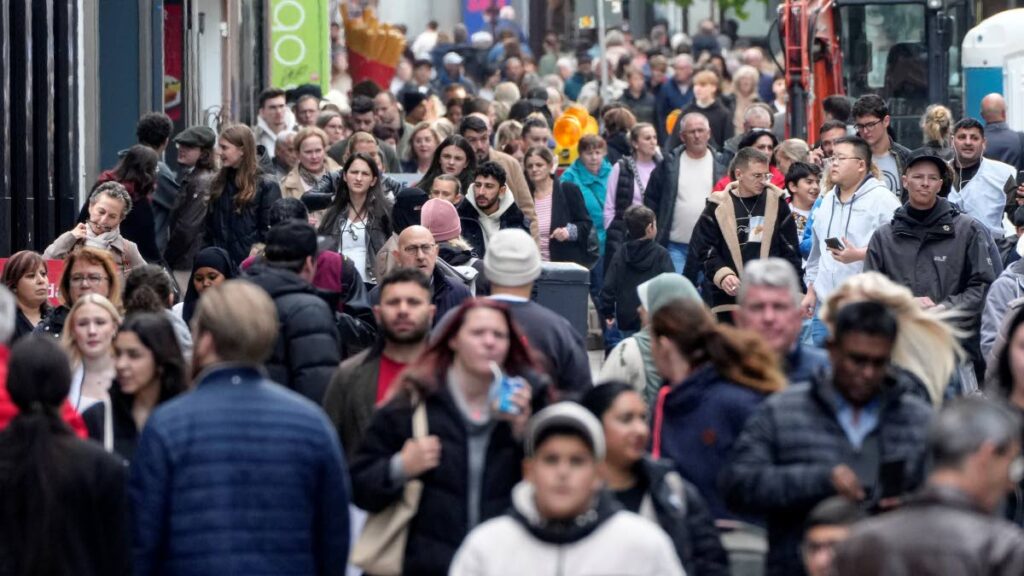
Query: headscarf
column 212, row 257
column 408, row 203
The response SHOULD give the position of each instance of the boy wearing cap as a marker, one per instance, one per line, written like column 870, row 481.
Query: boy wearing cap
column 561, row 519
column 933, row 248
column 188, row 216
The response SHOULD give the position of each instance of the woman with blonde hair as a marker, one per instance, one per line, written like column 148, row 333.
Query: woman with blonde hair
column 311, row 145
column 88, row 338
column 744, row 93
column 936, row 125
column 790, row 151
column 927, row 345
column 423, row 140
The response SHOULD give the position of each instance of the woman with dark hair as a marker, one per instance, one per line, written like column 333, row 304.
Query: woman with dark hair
column 63, row 506
column 652, row 488
column 197, row 162
column 109, row 205
column 25, row 276
column 86, row 271
column 715, row 376
column 473, row 455
column 358, row 221
column 563, row 224
column 137, row 173
column 211, row 268
column 150, row 371
column 764, row 141
column 151, row 289
column 455, row 156
column 240, row 196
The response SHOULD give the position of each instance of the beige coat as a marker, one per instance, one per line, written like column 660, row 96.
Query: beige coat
column 125, row 253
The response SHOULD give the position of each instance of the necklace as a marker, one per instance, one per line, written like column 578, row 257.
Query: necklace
column 750, row 209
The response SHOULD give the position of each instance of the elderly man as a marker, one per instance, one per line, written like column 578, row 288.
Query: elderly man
column 285, row 156
column 679, row 202
column 675, row 93
column 769, row 304
column 1002, row 142
column 757, row 115
column 950, row 527
column 417, row 249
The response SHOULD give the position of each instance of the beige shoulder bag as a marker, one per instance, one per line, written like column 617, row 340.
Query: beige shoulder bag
column 380, row 549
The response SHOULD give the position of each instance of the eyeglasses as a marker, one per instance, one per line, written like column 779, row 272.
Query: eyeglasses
column 88, row 279
column 813, row 548
column 837, row 158
column 417, row 248
column 867, row 125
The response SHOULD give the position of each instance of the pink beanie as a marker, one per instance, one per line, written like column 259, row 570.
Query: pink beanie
column 440, row 217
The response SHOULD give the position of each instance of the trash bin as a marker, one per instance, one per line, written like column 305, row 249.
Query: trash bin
column 564, row 288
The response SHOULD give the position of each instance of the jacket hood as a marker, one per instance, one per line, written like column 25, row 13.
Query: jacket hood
column 279, row 282
column 619, row 143
column 640, row 254
column 524, row 511
column 504, row 204
column 454, row 255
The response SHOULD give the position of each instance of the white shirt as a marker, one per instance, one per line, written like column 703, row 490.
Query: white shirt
column 695, row 183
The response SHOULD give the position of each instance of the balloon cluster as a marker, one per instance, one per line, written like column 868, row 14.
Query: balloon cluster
column 572, row 125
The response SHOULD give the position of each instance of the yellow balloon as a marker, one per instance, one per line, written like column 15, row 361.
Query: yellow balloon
column 591, row 126
column 567, row 131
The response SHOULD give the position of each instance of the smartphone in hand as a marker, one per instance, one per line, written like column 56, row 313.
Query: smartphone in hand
column 835, row 243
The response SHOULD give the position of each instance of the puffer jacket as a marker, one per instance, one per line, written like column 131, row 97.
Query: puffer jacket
column 945, row 258
column 1008, row 287
column 635, row 263
column 962, row 540
column 678, row 508
column 236, row 231
column 781, row 465
column 663, row 187
column 603, row 540
column 306, row 352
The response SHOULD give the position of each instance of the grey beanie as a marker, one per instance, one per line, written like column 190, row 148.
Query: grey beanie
column 512, row 258
column 566, row 414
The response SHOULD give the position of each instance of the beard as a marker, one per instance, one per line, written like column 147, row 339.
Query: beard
column 417, row 335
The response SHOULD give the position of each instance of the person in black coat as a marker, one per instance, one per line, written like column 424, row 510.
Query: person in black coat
column 240, row 197
column 652, row 488
column 63, row 503
column 472, row 455
column 307, row 350
column 707, row 102
column 795, row 451
column 564, row 225
column 639, row 260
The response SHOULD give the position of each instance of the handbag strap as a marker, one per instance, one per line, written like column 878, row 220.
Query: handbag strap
column 419, row 420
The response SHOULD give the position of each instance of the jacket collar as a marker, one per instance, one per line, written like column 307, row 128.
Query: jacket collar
column 524, row 510
column 230, row 372
column 948, row 496
column 939, row 222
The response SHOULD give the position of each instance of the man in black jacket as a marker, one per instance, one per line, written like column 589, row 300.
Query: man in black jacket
column 941, row 254
column 640, row 259
column 306, row 352
column 417, row 249
column 853, row 432
column 491, row 204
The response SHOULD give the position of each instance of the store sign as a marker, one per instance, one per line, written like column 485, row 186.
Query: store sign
column 300, row 43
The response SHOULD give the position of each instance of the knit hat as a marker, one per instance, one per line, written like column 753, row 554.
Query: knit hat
column 441, row 218
column 411, row 99
column 289, row 241
column 512, row 258
column 664, row 288
column 566, row 415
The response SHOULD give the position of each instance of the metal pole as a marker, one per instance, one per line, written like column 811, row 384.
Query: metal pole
column 600, row 42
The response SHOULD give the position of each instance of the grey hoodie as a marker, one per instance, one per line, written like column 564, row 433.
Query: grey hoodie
column 1008, row 287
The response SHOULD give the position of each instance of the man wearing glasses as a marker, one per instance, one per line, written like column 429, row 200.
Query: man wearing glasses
column 871, row 120
column 941, row 254
column 417, row 249
column 857, row 206
column 748, row 220
column 950, row 527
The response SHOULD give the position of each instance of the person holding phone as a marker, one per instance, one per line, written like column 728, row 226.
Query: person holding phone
column 749, row 219
column 858, row 204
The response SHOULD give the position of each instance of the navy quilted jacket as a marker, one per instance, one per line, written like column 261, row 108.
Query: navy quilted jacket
column 240, row 476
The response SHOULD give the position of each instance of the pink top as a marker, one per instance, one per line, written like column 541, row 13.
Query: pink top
column 645, row 169
column 543, row 208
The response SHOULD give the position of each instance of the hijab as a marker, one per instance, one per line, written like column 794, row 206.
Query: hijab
column 212, row 257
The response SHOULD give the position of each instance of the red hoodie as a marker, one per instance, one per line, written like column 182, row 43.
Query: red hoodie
column 8, row 410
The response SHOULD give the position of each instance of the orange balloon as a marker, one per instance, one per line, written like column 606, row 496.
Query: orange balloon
column 567, row 131
column 591, row 126
column 578, row 112
column 670, row 122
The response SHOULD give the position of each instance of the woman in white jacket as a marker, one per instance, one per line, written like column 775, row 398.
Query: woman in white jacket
column 562, row 522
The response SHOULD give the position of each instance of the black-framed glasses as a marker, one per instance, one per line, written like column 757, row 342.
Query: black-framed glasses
column 866, row 125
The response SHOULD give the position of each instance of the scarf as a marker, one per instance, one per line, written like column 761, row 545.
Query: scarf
column 310, row 178
column 211, row 257
column 101, row 241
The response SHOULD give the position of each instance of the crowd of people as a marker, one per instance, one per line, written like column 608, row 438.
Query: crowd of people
column 317, row 346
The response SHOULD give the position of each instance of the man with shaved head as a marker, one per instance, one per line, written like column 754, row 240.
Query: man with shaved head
column 417, row 249
column 1001, row 142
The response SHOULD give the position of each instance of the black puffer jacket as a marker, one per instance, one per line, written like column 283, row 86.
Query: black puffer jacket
column 440, row 524
column 686, row 520
column 782, row 462
column 236, row 231
column 306, row 352
column 635, row 263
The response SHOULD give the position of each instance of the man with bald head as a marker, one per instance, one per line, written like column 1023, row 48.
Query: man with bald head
column 679, row 187
column 417, row 249
column 1001, row 142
